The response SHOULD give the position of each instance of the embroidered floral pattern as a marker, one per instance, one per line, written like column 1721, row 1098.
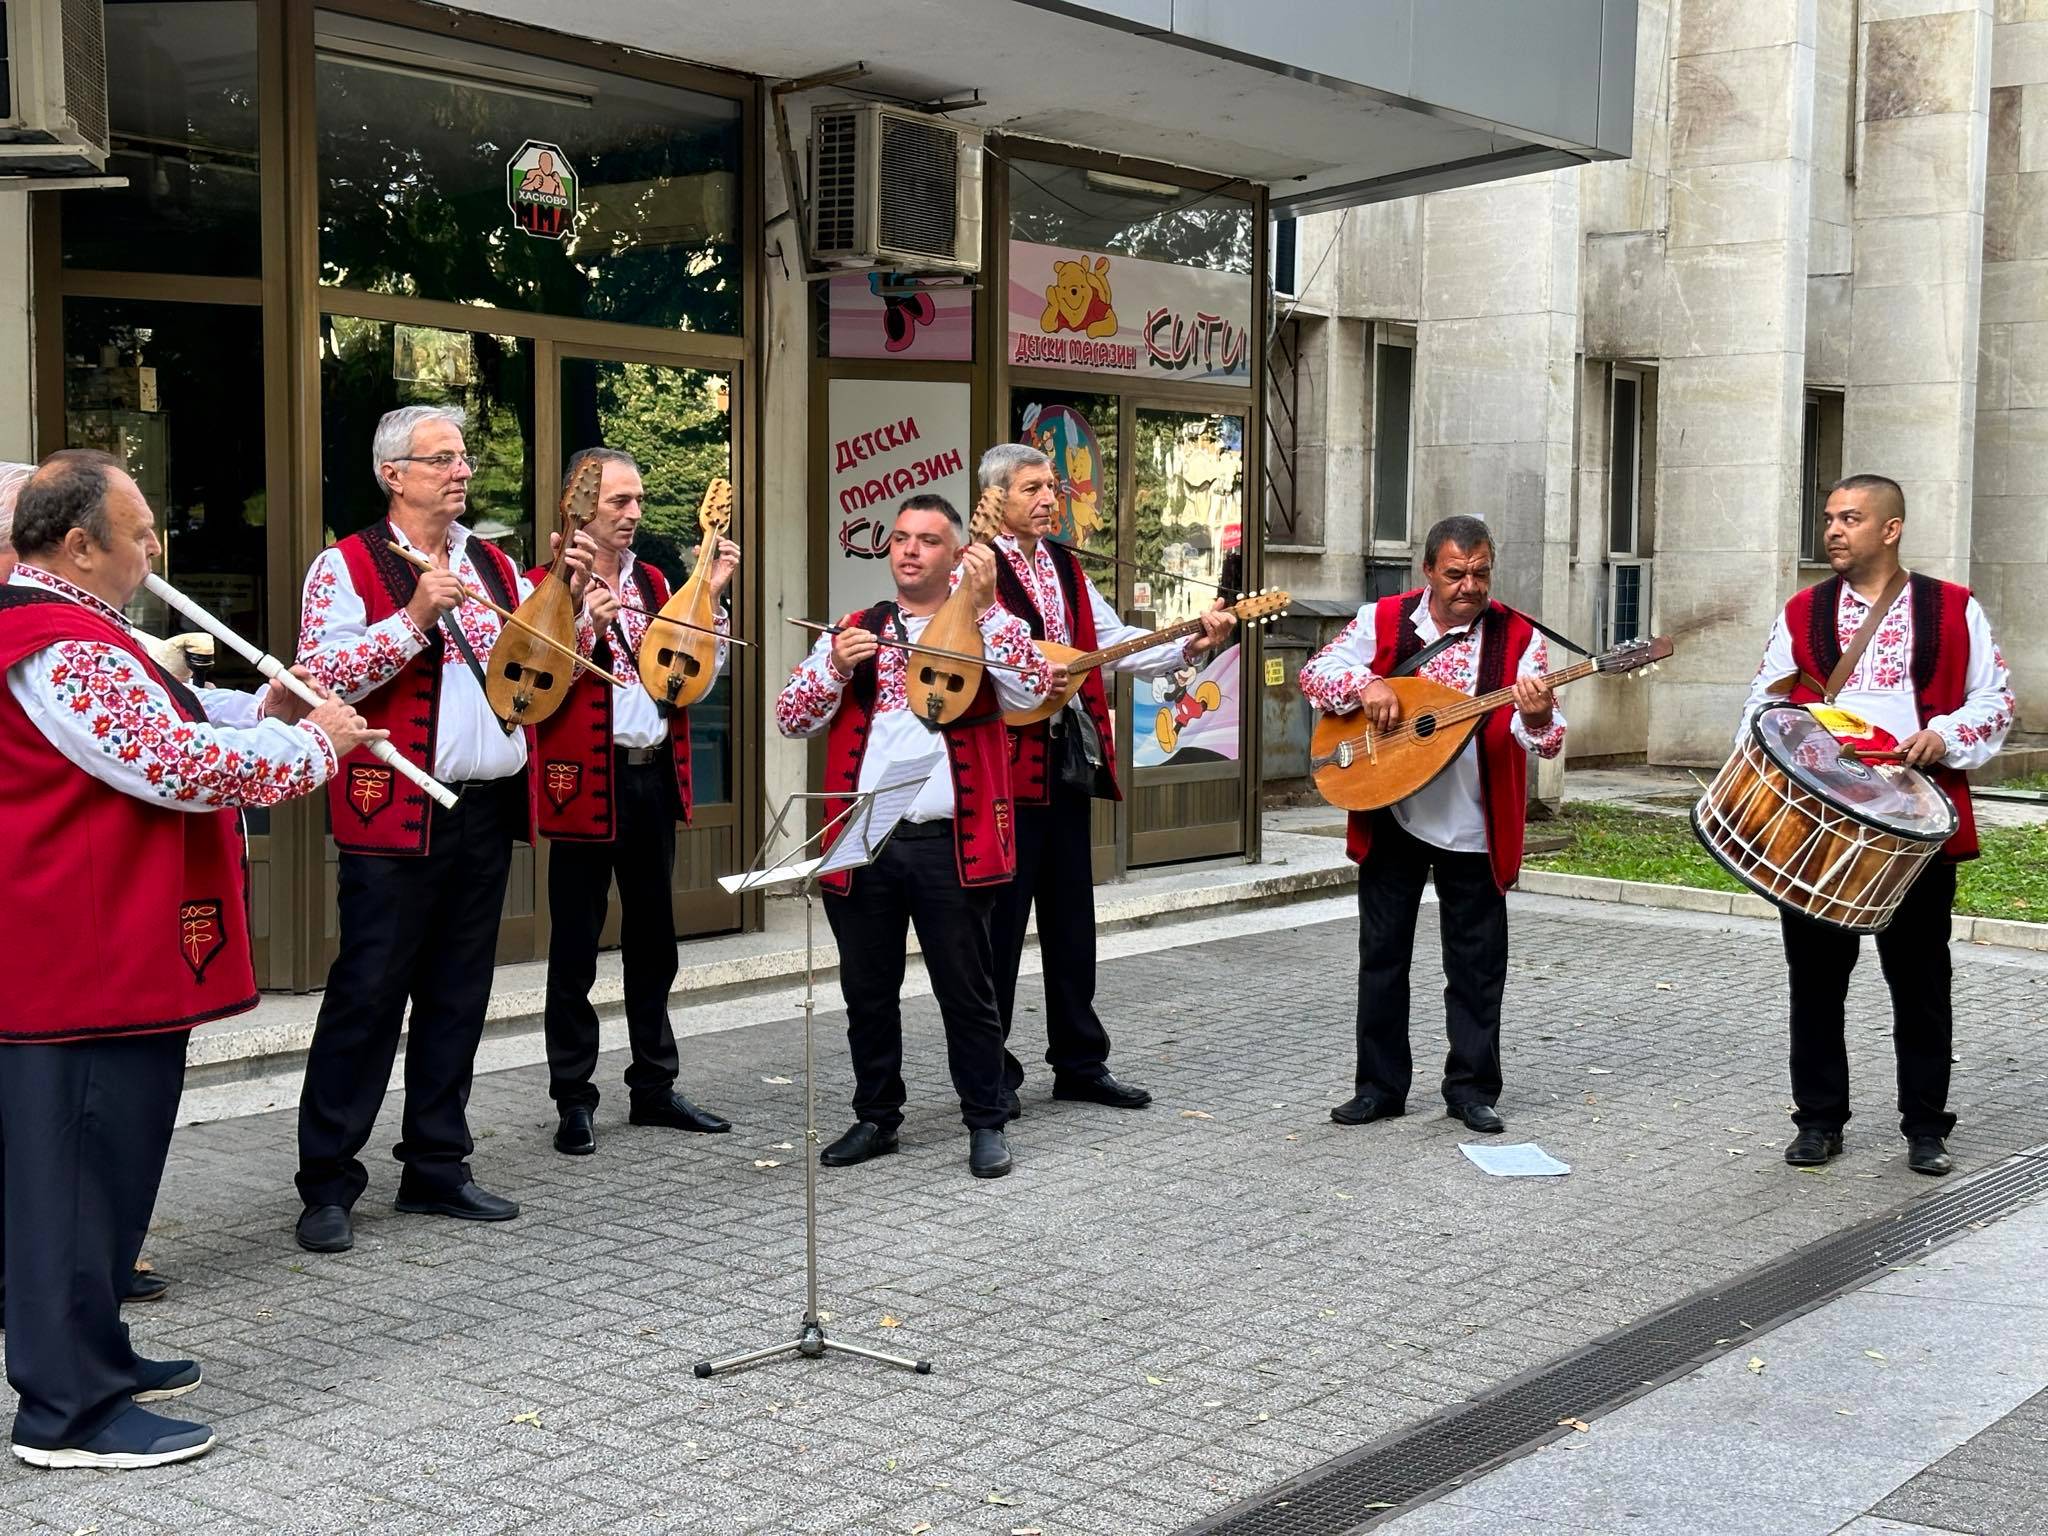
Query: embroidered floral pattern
column 110, row 702
column 1042, row 582
column 811, row 696
column 1337, row 674
column 333, row 644
column 1978, row 728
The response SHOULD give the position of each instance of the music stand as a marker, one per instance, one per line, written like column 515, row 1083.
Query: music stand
column 867, row 822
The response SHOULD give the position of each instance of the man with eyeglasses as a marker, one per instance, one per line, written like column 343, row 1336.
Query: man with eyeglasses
column 1463, row 829
column 420, row 886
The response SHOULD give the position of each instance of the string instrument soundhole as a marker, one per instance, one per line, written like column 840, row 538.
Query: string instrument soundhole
column 1425, row 726
column 532, row 676
column 681, row 661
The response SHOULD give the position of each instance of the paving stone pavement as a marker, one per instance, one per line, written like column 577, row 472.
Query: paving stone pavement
column 1157, row 1314
column 1995, row 1485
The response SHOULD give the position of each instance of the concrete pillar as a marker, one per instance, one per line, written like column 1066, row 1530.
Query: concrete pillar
column 1917, row 289
column 1731, row 382
column 2008, row 533
column 17, row 353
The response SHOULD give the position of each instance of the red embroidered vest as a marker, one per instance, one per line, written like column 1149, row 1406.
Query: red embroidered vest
column 984, row 839
column 370, row 808
column 573, row 746
column 1941, row 668
column 1503, row 763
column 1030, row 744
column 153, row 934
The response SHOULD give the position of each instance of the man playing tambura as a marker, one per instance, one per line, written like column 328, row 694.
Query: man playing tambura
column 1463, row 829
column 1933, row 678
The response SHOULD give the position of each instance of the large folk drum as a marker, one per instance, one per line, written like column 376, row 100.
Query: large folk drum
column 1828, row 835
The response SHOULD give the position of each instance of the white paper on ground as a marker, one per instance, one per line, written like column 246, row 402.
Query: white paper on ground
column 1518, row 1160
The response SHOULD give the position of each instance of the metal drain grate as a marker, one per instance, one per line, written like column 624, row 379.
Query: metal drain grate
column 1375, row 1482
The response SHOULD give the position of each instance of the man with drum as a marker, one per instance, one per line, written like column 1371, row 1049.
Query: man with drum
column 1463, row 830
column 1930, row 675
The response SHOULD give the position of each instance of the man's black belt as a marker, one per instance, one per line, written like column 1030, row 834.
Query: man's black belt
column 640, row 757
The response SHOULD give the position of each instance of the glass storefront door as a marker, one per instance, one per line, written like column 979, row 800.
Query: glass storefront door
column 677, row 422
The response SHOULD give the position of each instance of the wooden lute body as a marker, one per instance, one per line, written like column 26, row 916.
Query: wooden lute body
column 678, row 662
column 941, row 681
column 1358, row 768
column 534, row 661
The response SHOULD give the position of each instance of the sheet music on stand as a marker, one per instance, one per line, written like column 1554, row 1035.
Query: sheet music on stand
column 867, row 825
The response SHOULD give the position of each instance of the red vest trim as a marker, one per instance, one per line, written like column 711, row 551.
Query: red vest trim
column 984, row 833
column 1030, row 744
column 370, row 808
column 155, row 933
column 1941, row 669
column 1503, row 762
column 573, row 746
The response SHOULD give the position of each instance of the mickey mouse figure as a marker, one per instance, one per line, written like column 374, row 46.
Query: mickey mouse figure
column 905, row 306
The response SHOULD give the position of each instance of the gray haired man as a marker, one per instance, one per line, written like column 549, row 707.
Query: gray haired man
column 420, row 885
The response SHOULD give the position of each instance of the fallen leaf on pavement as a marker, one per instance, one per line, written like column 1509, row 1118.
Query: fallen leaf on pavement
column 1873, row 1354
column 1847, row 1413
column 1155, row 1381
column 783, row 1146
column 1026, row 1530
column 766, row 1162
column 1214, row 1402
column 920, row 1528
column 1579, row 1424
column 891, row 1322
column 779, row 1081
column 1000, row 1498
column 526, row 1418
column 1196, row 1114
column 1756, row 1364
column 1663, row 986
column 1600, row 1071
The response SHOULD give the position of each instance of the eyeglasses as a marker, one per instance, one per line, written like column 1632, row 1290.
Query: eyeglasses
column 441, row 463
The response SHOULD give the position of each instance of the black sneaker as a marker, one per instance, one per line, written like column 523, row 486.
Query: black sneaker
column 136, row 1438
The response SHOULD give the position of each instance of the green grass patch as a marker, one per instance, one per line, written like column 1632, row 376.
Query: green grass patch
column 2010, row 880
column 2033, row 781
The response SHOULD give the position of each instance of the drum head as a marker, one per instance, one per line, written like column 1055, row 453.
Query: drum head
column 1890, row 796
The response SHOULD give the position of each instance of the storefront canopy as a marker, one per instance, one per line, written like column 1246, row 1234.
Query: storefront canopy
column 1327, row 104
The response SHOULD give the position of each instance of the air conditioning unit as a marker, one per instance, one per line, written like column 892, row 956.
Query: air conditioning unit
column 894, row 189
column 53, row 120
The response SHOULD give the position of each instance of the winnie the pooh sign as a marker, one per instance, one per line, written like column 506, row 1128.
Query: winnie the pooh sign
column 1100, row 312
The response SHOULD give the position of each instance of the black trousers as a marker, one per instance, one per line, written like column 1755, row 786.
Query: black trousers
column 915, row 881
column 642, row 856
column 86, row 1127
column 1055, row 870
column 1473, row 917
column 1914, row 954
column 423, row 930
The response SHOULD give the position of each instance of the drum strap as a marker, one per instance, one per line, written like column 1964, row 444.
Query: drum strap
column 1865, row 633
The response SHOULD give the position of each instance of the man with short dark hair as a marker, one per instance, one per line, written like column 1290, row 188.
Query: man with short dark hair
column 144, row 778
column 955, row 847
column 1463, row 830
column 614, row 781
column 1932, row 678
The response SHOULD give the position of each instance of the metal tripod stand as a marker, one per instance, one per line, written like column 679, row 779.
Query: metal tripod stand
column 811, row 1341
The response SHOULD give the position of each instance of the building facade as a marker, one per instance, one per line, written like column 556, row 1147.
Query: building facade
column 1828, row 254
column 588, row 225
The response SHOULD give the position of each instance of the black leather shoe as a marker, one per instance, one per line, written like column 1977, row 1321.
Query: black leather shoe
column 1100, row 1088
column 988, row 1154
column 677, row 1113
column 1928, row 1155
column 575, row 1136
column 144, row 1285
column 865, row 1140
column 325, row 1229
column 1477, row 1117
column 1012, row 1105
column 472, row 1202
column 1813, row 1146
column 1366, row 1108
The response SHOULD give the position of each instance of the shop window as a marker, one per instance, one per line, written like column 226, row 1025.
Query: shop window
column 1078, row 433
column 175, row 392
column 1100, row 211
column 677, row 422
column 456, row 172
column 368, row 367
column 181, row 109
column 1820, row 465
column 1631, row 451
column 1393, row 418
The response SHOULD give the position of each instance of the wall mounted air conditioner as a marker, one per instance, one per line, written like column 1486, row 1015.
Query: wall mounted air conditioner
column 53, row 120
column 894, row 189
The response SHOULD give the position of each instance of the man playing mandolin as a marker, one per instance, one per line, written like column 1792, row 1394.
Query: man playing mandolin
column 420, row 886
column 614, row 781
column 955, row 848
column 1463, row 829
column 1057, row 765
